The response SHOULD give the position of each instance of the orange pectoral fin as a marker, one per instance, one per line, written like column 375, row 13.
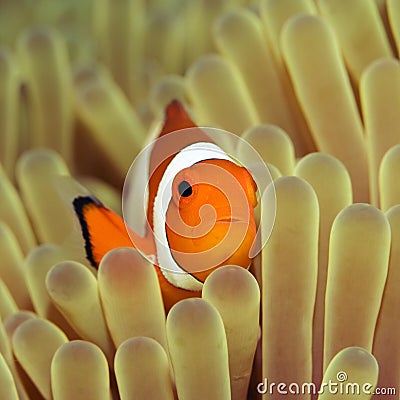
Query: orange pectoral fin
column 104, row 230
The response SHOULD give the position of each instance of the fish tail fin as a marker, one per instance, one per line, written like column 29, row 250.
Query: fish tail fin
column 103, row 229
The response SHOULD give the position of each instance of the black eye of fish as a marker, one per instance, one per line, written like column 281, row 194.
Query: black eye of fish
column 184, row 189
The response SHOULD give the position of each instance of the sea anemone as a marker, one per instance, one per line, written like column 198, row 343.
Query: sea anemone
column 313, row 86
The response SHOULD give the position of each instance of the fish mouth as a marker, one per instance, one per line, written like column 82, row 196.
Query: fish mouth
column 230, row 220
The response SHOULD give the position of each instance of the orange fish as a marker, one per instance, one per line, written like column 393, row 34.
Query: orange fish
column 200, row 211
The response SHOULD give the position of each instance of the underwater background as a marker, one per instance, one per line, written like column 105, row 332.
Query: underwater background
column 313, row 86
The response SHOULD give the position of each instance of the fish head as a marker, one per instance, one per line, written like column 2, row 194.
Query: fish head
column 210, row 218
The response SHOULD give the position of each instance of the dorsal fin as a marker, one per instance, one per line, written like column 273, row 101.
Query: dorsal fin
column 168, row 145
column 175, row 118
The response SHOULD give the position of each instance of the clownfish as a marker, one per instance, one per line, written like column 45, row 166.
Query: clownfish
column 200, row 211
